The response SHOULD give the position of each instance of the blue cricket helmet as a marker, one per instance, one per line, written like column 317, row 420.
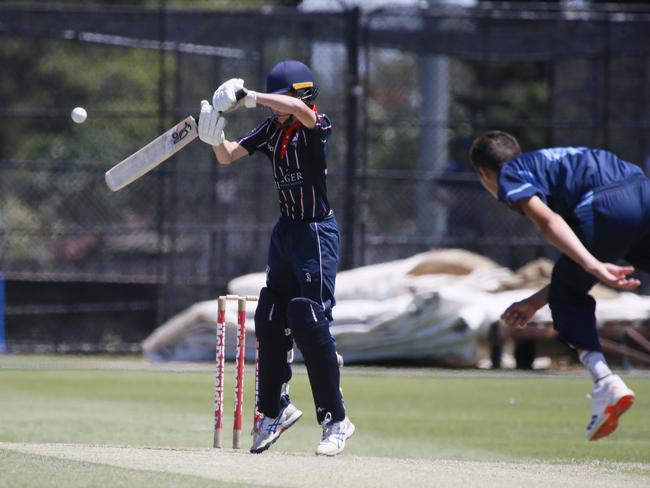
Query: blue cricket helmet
column 293, row 78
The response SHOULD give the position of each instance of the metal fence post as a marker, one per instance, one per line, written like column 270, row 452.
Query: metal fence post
column 163, row 177
column 3, row 343
column 352, row 155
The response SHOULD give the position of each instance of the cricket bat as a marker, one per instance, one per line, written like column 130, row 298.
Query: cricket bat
column 156, row 152
column 153, row 154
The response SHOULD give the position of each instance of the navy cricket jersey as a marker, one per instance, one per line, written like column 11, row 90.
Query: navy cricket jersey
column 298, row 160
column 562, row 177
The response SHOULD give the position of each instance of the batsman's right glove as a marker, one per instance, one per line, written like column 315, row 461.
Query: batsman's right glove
column 246, row 98
column 225, row 97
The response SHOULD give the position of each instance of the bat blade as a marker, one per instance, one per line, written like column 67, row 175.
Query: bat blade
column 153, row 154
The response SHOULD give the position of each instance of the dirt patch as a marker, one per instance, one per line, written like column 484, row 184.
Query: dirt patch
column 298, row 470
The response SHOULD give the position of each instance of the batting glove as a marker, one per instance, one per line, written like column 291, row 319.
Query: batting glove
column 211, row 124
column 225, row 97
column 249, row 99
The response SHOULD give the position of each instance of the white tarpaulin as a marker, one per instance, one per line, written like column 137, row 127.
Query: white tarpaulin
column 433, row 306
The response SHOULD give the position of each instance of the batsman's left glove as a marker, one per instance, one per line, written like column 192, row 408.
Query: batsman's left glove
column 211, row 124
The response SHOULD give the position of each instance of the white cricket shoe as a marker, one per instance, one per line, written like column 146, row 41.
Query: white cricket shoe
column 610, row 399
column 334, row 436
column 268, row 430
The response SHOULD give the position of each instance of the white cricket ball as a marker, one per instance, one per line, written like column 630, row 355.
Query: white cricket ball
column 79, row 115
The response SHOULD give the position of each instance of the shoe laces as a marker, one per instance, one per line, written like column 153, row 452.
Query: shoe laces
column 331, row 428
column 267, row 425
column 327, row 425
column 333, row 432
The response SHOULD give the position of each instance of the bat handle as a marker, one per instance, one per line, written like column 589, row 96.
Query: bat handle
column 241, row 93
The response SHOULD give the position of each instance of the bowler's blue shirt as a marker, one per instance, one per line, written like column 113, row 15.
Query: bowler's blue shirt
column 562, row 177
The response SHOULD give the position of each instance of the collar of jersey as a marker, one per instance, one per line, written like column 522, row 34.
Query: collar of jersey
column 289, row 131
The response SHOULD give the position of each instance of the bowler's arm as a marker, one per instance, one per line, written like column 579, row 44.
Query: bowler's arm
column 558, row 232
column 519, row 313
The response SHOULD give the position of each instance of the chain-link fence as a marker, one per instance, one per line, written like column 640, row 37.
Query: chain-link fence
column 406, row 90
column 434, row 79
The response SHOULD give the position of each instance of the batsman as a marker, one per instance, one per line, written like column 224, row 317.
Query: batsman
column 296, row 303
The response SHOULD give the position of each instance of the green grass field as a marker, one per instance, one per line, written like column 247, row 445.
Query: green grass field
column 414, row 413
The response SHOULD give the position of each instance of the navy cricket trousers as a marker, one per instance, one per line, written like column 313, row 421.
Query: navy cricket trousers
column 303, row 260
column 614, row 225
column 302, row 263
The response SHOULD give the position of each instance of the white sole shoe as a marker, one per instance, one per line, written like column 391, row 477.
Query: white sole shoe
column 269, row 430
column 334, row 436
column 609, row 402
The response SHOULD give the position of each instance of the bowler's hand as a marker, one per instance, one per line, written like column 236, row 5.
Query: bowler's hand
column 518, row 314
column 616, row 276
